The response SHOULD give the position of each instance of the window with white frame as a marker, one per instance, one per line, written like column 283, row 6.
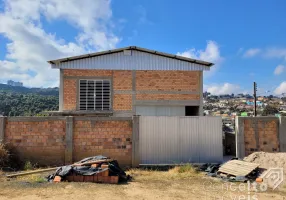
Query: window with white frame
column 94, row 95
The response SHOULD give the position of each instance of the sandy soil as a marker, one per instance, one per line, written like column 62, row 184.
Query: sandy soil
column 146, row 185
column 267, row 160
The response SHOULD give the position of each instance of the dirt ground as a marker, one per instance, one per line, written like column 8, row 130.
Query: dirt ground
column 146, row 184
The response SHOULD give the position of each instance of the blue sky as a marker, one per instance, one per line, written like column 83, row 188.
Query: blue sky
column 246, row 39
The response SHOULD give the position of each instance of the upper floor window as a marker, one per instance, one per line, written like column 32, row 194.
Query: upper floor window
column 94, row 95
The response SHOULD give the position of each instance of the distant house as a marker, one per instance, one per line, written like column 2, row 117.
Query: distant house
column 131, row 81
column 251, row 103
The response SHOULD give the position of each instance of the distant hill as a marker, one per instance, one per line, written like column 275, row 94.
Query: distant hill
column 24, row 90
column 22, row 101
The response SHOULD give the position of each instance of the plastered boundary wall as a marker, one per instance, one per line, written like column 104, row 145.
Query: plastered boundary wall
column 64, row 140
column 254, row 134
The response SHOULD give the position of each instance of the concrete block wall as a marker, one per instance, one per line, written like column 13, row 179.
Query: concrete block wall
column 64, row 140
column 254, row 134
column 129, row 86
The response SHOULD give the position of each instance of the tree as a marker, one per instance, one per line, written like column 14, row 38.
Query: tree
column 269, row 110
column 18, row 104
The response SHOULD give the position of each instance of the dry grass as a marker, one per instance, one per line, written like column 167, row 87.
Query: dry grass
column 180, row 182
column 178, row 172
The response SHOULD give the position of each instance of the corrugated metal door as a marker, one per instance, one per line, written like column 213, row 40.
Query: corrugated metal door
column 173, row 140
column 160, row 110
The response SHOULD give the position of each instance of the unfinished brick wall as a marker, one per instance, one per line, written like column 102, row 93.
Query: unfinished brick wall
column 167, row 97
column 122, row 81
column 151, row 83
column 109, row 138
column 122, row 102
column 70, row 95
column 261, row 135
column 168, row 80
column 84, row 72
column 40, row 142
column 50, row 141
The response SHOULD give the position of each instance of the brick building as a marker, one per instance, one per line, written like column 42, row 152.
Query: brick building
column 130, row 81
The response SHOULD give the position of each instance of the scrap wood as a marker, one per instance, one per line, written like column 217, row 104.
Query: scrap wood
column 31, row 172
column 238, row 168
column 55, row 168
column 92, row 162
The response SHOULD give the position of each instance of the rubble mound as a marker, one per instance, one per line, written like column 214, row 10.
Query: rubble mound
column 268, row 160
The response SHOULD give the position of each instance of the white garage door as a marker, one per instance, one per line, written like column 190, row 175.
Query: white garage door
column 160, row 110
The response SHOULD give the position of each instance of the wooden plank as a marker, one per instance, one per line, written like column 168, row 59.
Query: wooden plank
column 93, row 162
column 238, row 168
column 32, row 172
column 244, row 163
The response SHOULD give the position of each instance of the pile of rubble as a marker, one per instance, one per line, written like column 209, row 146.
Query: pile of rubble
column 97, row 169
column 259, row 167
column 268, row 160
column 233, row 170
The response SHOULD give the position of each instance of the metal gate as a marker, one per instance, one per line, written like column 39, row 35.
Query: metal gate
column 175, row 140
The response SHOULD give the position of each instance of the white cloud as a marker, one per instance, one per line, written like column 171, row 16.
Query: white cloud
column 280, row 89
column 143, row 19
column 210, row 54
column 276, row 53
column 225, row 88
column 279, row 70
column 251, row 52
column 30, row 46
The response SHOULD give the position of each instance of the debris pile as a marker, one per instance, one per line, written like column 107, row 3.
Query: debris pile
column 268, row 160
column 254, row 167
column 97, row 169
column 233, row 170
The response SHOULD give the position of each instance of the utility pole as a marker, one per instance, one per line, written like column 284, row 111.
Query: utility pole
column 254, row 94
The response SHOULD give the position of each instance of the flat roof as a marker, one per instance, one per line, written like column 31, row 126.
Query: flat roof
column 72, row 58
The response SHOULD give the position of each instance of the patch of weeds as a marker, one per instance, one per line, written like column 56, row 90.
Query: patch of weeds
column 33, row 178
column 40, row 179
column 188, row 168
column 4, row 155
column 28, row 165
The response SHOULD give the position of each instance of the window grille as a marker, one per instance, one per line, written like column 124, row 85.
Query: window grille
column 94, row 95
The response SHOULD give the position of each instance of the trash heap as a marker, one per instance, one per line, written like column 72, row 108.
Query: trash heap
column 97, row 169
column 233, row 170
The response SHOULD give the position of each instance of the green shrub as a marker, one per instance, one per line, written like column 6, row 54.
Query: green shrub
column 4, row 155
column 28, row 165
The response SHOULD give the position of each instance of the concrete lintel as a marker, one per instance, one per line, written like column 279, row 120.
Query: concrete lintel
column 154, row 92
column 61, row 91
column 103, row 118
column 282, row 134
column 133, row 91
column 34, row 119
column 167, row 102
column 2, row 128
column 239, row 137
column 123, row 113
column 261, row 118
column 201, row 110
column 69, row 141
column 77, row 101
column 256, row 132
column 88, row 77
column 135, row 142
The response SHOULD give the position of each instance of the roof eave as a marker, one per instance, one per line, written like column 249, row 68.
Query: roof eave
column 208, row 64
